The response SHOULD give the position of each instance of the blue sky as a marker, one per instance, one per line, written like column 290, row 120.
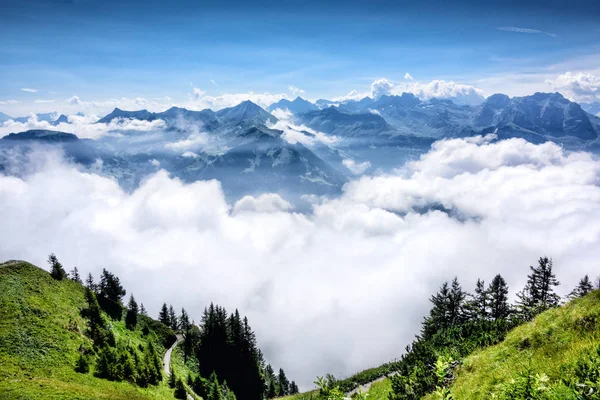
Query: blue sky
column 113, row 49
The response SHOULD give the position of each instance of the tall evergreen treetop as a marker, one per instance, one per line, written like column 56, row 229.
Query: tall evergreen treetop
column 89, row 282
column 74, row 275
column 132, row 313
column 584, row 287
column 478, row 305
column 57, row 271
column 173, row 322
column 538, row 294
column 163, row 315
column 498, row 294
column 110, row 287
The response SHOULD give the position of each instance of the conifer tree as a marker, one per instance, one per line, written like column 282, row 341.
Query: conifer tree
column 110, row 294
column 89, row 282
column 293, row 388
column 143, row 310
column 163, row 316
column 498, row 297
column 584, row 287
column 74, row 275
column 184, row 320
column 173, row 323
column 538, row 294
column 57, row 270
column 132, row 314
column 284, row 384
column 478, row 305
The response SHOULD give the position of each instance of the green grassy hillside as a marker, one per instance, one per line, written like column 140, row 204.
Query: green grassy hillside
column 42, row 334
column 551, row 357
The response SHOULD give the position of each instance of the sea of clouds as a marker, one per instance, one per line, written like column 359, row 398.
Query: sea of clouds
column 338, row 289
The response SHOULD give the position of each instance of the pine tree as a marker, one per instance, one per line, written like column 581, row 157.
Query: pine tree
column 538, row 294
column 143, row 310
column 89, row 282
column 438, row 315
column 57, row 270
column 163, row 316
column 498, row 298
column 74, row 275
column 293, row 388
column 478, row 305
column 132, row 314
column 456, row 310
column 173, row 323
column 110, row 294
column 284, row 384
column 184, row 320
column 584, row 287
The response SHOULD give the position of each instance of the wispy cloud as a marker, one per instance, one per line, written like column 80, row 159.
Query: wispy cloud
column 9, row 101
column 213, row 82
column 29, row 90
column 43, row 101
column 525, row 30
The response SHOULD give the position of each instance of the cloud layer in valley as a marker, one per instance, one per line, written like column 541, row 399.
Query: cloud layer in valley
column 341, row 288
column 441, row 89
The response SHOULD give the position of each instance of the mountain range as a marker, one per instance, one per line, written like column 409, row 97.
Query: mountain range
column 241, row 147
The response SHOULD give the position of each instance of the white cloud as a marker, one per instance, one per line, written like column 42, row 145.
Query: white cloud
column 581, row 87
column 408, row 77
column 213, row 82
column 194, row 141
column 352, row 95
column 524, row 30
column 356, row 168
column 74, row 100
column 12, row 101
column 200, row 100
column 155, row 162
column 85, row 127
column 347, row 283
column 29, row 90
column 294, row 133
column 457, row 92
column 265, row 203
column 43, row 101
column 295, row 91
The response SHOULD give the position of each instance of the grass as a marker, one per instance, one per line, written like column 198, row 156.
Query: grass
column 548, row 346
column 380, row 390
column 41, row 333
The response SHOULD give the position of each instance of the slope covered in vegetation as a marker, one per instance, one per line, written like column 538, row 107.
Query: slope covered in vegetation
column 43, row 336
column 555, row 356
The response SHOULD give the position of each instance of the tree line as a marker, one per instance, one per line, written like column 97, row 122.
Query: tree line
column 459, row 322
column 222, row 346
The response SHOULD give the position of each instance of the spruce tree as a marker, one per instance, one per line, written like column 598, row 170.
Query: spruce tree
column 110, row 294
column 163, row 316
column 584, row 287
column 284, row 384
column 173, row 323
column 478, row 305
column 143, row 310
column 456, row 304
column 89, row 282
column 498, row 298
column 184, row 320
column 74, row 275
column 132, row 314
column 57, row 270
column 293, row 388
column 438, row 318
column 538, row 294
